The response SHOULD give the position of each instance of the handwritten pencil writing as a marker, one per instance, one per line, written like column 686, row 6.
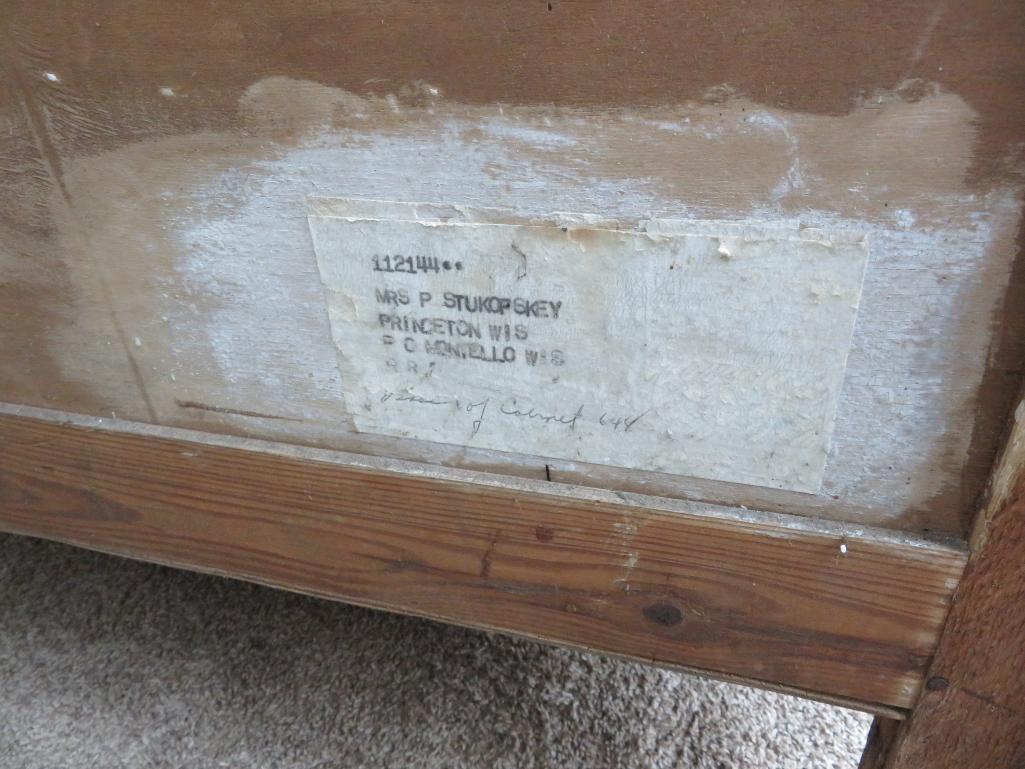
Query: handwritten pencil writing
column 526, row 413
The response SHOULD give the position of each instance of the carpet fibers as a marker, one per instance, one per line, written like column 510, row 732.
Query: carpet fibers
column 105, row 662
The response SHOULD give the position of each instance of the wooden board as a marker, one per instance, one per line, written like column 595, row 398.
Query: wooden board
column 841, row 613
column 970, row 711
column 156, row 164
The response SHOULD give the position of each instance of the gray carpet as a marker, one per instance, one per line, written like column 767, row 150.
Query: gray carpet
column 106, row 662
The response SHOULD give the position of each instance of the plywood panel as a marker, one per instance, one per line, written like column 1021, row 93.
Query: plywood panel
column 157, row 166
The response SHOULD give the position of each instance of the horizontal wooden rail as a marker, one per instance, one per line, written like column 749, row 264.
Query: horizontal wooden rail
column 833, row 612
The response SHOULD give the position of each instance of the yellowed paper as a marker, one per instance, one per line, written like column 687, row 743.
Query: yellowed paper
column 717, row 352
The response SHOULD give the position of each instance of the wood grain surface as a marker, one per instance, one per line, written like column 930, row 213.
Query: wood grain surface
column 972, row 709
column 849, row 615
column 156, row 162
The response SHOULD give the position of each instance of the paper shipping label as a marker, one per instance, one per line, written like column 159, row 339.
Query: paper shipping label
column 709, row 350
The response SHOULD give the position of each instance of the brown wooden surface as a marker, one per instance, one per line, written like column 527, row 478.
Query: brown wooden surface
column 839, row 615
column 972, row 709
column 816, row 56
column 136, row 136
column 118, row 122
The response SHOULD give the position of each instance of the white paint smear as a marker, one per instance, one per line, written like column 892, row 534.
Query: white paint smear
column 699, row 349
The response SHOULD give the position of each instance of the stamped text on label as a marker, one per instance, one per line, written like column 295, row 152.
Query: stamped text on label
column 700, row 349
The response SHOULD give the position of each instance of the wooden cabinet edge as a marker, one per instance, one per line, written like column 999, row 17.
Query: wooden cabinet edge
column 803, row 606
column 969, row 712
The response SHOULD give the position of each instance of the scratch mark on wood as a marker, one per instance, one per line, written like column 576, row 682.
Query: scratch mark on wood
column 132, row 363
column 225, row 410
column 629, row 562
column 34, row 114
column 926, row 37
column 988, row 700
column 485, row 560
